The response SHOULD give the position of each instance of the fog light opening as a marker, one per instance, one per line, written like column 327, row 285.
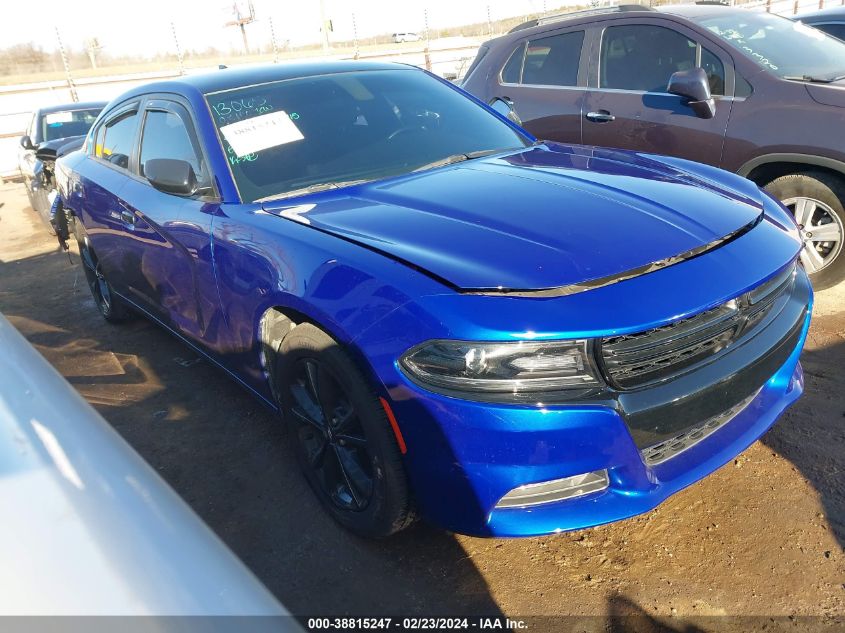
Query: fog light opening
column 555, row 490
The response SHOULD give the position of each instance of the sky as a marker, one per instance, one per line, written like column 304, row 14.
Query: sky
column 144, row 28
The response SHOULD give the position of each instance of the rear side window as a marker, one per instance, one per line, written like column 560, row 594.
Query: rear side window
column 547, row 61
column 643, row 57
column 553, row 61
column 166, row 136
column 513, row 68
column 115, row 138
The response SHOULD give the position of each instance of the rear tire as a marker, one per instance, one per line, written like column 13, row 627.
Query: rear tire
column 816, row 200
column 342, row 437
column 110, row 306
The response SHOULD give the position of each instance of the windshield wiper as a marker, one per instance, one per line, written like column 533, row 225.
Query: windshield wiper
column 459, row 158
column 813, row 80
column 315, row 188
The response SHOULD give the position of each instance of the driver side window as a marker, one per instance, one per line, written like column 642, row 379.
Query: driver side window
column 166, row 135
column 642, row 57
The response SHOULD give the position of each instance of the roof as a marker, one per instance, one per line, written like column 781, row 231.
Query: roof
column 82, row 105
column 247, row 75
column 699, row 10
column 571, row 15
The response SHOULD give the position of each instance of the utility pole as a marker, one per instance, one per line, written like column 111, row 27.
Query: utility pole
column 427, row 52
column 92, row 47
column 71, row 86
column 178, row 49
column 242, row 19
column 324, row 26
column 355, row 36
column 273, row 39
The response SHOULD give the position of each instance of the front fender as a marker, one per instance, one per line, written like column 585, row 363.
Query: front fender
column 262, row 261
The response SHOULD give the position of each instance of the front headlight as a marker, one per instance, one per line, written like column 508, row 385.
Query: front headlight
column 511, row 367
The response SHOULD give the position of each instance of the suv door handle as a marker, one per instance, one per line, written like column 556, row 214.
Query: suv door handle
column 600, row 116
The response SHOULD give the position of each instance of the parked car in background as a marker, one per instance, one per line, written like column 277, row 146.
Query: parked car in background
column 53, row 131
column 88, row 528
column 750, row 92
column 831, row 21
column 405, row 37
column 506, row 337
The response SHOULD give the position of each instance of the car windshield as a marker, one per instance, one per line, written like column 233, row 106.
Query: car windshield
column 788, row 49
column 326, row 130
column 67, row 123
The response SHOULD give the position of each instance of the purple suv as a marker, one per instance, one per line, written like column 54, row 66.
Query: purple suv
column 749, row 92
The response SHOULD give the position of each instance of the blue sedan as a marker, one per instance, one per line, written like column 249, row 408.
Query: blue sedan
column 504, row 336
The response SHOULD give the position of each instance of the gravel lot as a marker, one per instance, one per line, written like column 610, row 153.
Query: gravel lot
column 763, row 536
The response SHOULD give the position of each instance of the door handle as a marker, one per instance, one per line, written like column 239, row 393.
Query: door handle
column 127, row 217
column 600, row 116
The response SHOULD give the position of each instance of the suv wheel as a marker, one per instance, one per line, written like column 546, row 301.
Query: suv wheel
column 342, row 437
column 816, row 200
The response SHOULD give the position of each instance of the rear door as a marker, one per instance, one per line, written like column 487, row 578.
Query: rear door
column 106, row 173
column 167, row 261
column 545, row 78
column 627, row 105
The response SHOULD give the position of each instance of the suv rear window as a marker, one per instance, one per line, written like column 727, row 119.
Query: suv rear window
column 547, row 61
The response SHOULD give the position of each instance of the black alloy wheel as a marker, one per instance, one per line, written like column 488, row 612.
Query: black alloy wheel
column 108, row 304
column 341, row 435
column 331, row 436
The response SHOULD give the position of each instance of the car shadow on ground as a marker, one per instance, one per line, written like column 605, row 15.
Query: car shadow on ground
column 229, row 458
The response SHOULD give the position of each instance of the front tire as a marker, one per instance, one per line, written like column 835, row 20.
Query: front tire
column 816, row 200
column 342, row 437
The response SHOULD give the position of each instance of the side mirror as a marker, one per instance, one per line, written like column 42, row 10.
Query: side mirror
column 504, row 106
column 171, row 176
column 694, row 86
column 26, row 142
column 45, row 154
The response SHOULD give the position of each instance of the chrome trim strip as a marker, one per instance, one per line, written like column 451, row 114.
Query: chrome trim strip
column 543, row 86
column 600, row 282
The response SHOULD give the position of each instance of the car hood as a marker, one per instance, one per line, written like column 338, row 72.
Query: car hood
column 545, row 217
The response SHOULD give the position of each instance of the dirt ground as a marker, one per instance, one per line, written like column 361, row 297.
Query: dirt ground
column 763, row 536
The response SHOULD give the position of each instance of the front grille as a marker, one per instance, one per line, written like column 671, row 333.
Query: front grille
column 670, row 448
column 635, row 360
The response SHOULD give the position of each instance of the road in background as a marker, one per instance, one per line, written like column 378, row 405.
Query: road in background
column 761, row 536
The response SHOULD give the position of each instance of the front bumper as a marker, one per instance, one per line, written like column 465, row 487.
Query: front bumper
column 464, row 456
